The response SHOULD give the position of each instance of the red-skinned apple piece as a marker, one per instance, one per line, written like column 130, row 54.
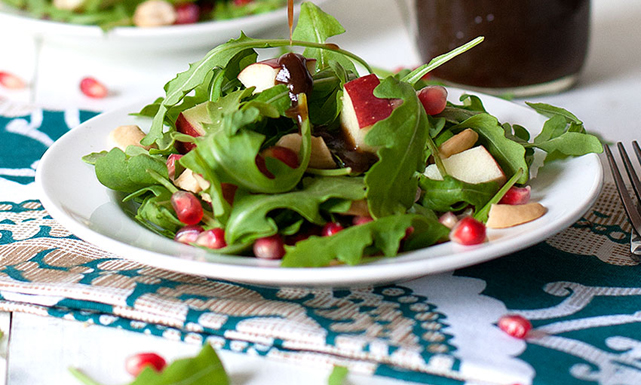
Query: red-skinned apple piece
column 262, row 74
column 192, row 122
column 361, row 109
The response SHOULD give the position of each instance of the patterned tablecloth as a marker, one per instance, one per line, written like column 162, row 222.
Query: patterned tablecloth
column 581, row 289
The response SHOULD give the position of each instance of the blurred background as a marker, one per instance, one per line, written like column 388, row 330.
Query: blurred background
column 53, row 62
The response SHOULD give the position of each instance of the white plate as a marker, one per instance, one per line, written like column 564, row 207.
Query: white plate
column 73, row 196
column 204, row 35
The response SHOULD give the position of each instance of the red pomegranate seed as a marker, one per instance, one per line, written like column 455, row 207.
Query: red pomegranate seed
column 433, row 98
column 171, row 164
column 361, row 220
column 187, row 207
column 188, row 234
column 11, row 81
column 516, row 196
column 93, row 88
column 136, row 363
column 242, row 2
column 187, row 13
column 468, row 231
column 331, row 228
column 515, row 325
column 269, row 247
column 213, row 239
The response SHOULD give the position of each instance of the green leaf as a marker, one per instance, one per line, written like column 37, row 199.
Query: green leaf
column 233, row 157
column 204, row 369
column 93, row 157
column 314, row 25
column 400, row 139
column 249, row 218
column 550, row 111
column 338, row 375
column 348, row 246
column 128, row 174
column 449, row 193
column 509, row 154
column 417, row 74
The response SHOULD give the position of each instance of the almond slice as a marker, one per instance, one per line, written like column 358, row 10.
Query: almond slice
column 124, row 136
column 502, row 216
column 460, row 142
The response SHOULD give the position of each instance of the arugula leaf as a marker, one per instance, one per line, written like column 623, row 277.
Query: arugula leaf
column 156, row 208
column 204, row 369
column 563, row 134
column 509, row 154
column 249, row 218
column 391, row 184
column 314, row 25
column 348, row 245
column 449, row 193
column 128, row 174
column 219, row 57
column 337, row 376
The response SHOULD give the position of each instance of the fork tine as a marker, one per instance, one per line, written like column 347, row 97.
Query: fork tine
column 634, row 179
column 628, row 205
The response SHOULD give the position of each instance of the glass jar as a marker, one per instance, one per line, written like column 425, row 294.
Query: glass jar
column 531, row 46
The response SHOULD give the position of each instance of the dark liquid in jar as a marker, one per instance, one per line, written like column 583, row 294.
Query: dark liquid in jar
column 527, row 42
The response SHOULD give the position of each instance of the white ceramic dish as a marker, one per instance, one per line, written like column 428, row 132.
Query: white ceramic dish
column 205, row 35
column 73, row 196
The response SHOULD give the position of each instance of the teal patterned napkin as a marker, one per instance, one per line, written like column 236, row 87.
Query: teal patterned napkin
column 580, row 289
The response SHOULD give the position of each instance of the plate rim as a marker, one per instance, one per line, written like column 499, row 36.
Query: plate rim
column 336, row 276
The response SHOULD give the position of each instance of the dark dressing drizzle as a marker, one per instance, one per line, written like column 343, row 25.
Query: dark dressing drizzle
column 294, row 74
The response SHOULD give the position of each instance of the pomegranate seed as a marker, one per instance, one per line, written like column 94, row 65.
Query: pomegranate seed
column 468, row 231
column 187, row 13
column 171, row 164
column 136, row 363
column 11, row 81
column 93, row 88
column 269, row 247
column 515, row 325
column 188, row 234
column 433, row 98
column 516, row 196
column 239, row 3
column 187, row 207
column 213, row 239
column 331, row 228
column 361, row 220
column 448, row 220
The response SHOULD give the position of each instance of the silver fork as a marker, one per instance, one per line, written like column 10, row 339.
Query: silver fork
column 633, row 212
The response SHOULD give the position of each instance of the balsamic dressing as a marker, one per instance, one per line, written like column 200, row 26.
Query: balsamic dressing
column 295, row 75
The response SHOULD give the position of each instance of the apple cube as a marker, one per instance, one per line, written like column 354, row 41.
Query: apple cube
column 473, row 166
column 192, row 122
column 361, row 109
column 262, row 74
column 320, row 156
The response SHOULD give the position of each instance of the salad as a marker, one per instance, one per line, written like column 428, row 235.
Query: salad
column 303, row 158
column 108, row 14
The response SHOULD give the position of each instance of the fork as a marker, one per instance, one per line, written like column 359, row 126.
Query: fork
column 633, row 212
